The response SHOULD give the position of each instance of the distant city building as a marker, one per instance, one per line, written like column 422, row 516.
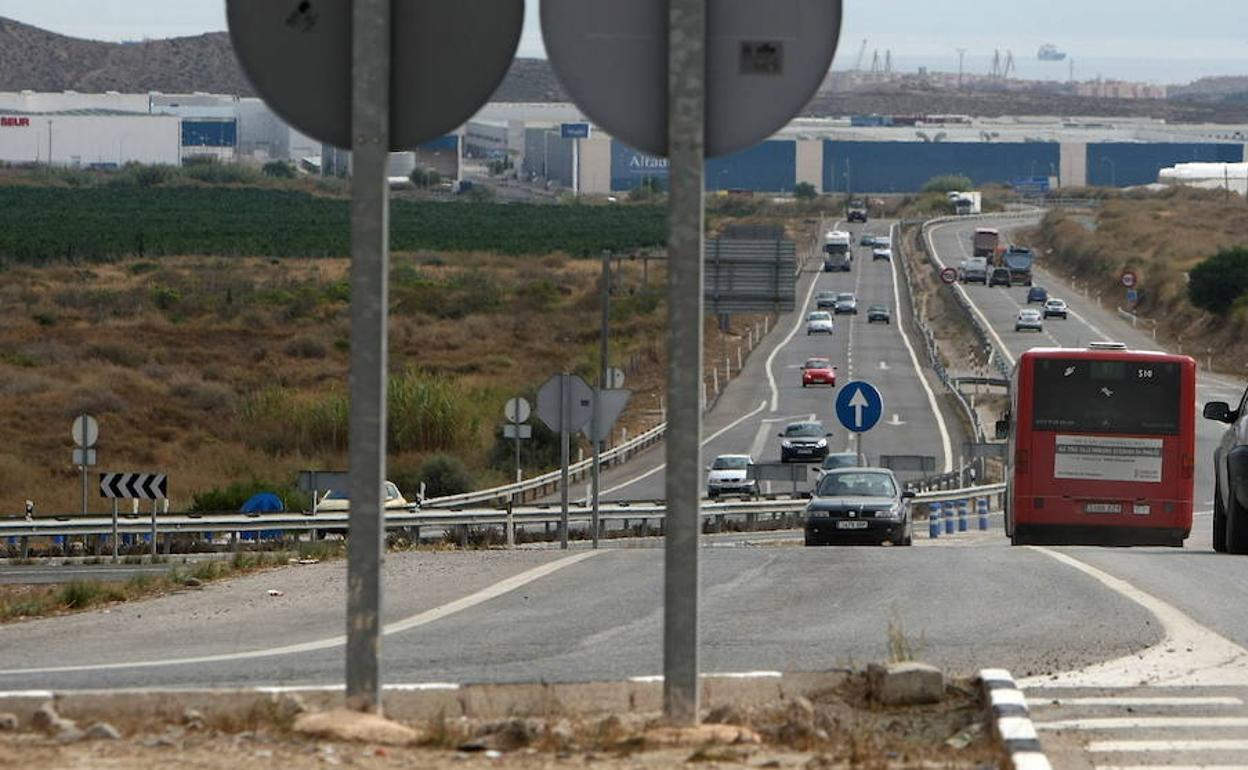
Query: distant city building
column 1119, row 89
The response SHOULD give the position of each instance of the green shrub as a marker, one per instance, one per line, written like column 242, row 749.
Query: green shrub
column 232, row 497
column 279, row 169
column 80, row 594
column 948, row 183
column 1218, row 282
column 445, row 475
column 805, row 191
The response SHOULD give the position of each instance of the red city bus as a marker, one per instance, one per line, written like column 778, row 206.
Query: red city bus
column 1102, row 447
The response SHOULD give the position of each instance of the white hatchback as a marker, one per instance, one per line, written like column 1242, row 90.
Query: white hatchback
column 819, row 323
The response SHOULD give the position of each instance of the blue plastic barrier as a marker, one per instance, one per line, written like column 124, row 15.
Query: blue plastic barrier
column 962, row 515
column 933, row 520
column 981, row 507
column 949, row 522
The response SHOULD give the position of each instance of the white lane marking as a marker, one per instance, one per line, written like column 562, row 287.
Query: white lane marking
column 33, row 694
column 658, row 678
column 1126, row 747
column 946, row 445
column 1151, row 702
column 1140, row 723
column 705, row 441
column 1188, row 654
column 1169, row 767
column 797, row 325
column 421, row 687
column 896, row 422
column 884, row 365
column 428, row 616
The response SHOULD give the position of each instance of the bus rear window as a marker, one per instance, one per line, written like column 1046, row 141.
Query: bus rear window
column 1086, row 396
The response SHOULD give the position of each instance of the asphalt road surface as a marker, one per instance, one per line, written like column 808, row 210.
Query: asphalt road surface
column 755, row 406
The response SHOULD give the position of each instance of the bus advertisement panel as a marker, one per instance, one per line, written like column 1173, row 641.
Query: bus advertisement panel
column 1102, row 447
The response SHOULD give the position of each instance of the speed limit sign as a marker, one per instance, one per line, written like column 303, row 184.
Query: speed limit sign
column 1129, row 279
column 949, row 275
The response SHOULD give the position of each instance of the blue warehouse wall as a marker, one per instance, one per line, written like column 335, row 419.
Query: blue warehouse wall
column 767, row 167
column 901, row 167
column 209, row 133
column 1125, row 164
column 448, row 142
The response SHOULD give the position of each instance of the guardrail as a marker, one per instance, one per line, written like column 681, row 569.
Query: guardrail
column 546, row 483
column 1136, row 320
column 186, row 523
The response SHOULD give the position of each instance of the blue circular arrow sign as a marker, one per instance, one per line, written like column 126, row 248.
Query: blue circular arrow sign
column 859, row 406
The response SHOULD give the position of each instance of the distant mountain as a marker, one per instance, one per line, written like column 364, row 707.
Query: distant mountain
column 1219, row 89
column 35, row 59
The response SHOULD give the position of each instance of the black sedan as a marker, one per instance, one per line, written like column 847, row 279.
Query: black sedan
column 878, row 313
column 859, row 505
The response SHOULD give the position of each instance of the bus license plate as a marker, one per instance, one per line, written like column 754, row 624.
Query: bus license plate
column 1141, row 509
column 851, row 525
column 1103, row 508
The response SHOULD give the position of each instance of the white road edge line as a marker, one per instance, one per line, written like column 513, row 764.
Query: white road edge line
column 945, row 443
column 1135, row 723
column 1189, row 654
column 1124, row 747
column 1151, row 702
column 705, row 441
column 423, row 618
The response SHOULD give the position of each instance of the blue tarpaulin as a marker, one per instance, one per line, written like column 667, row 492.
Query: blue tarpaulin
column 265, row 502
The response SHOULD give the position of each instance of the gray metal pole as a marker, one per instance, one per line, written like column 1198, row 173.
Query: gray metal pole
column 565, row 458
column 370, row 259
column 115, row 534
column 687, row 156
column 603, row 384
column 153, row 530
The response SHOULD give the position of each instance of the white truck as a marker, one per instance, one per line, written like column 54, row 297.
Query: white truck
column 967, row 203
column 838, row 251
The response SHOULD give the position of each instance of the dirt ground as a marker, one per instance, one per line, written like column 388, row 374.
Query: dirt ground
column 838, row 728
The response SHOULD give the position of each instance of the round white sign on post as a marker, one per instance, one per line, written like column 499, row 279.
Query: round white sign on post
column 449, row 57
column 517, row 410
column 765, row 60
column 86, row 430
column 1129, row 279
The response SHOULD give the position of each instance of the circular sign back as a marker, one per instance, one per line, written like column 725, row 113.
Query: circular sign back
column 449, row 56
column 949, row 275
column 517, row 410
column 1129, row 279
column 765, row 60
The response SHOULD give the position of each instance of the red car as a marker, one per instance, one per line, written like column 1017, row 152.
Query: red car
column 818, row 371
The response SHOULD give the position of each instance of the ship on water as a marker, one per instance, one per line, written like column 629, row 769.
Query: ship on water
column 1049, row 52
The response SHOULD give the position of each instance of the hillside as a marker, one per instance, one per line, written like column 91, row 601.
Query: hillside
column 32, row 58
column 35, row 59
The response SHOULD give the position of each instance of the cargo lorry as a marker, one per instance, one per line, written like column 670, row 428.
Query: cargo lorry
column 1018, row 260
column 967, row 203
column 837, row 251
column 985, row 242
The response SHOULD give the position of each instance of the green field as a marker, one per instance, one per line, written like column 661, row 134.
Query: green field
column 47, row 224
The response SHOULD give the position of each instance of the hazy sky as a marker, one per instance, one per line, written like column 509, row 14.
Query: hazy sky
column 1090, row 29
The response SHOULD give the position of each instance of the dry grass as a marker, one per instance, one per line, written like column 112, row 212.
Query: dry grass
column 168, row 355
column 20, row 602
column 1161, row 237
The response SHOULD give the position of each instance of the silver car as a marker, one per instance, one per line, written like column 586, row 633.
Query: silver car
column 819, row 323
column 1029, row 319
column 846, row 302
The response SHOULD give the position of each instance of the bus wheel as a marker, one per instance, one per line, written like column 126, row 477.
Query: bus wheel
column 1219, row 520
column 1236, row 526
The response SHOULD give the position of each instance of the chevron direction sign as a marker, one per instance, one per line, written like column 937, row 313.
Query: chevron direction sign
column 134, row 486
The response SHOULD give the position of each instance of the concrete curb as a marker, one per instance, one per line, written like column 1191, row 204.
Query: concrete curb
column 429, row 701
column 1011, row 721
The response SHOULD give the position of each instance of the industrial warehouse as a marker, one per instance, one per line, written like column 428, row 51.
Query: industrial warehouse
column 554, row 146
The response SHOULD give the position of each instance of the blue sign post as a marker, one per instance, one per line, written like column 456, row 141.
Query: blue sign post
column 859, row 407
column 1133, row 296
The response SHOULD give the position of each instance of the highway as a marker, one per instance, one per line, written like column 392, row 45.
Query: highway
column 1198, row 595
column 768, row 393
column 1131, row 657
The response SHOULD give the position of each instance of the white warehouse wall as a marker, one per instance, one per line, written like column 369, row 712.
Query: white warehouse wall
column 67, row 101
column 83, row 140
